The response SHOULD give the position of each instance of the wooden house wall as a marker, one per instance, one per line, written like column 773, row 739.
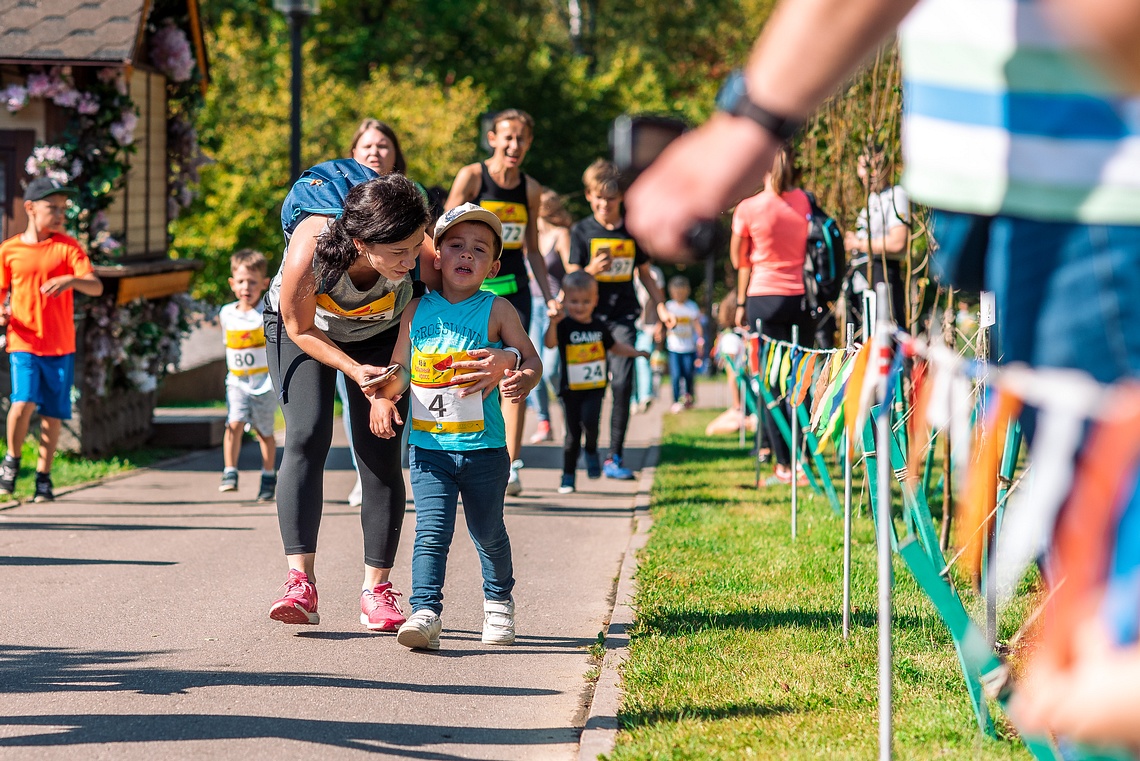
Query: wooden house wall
column 137, row 217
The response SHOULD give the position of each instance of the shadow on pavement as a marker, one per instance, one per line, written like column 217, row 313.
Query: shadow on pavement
column 407, row 740
column 32, row 669
column 30, row 561
column 52, row 526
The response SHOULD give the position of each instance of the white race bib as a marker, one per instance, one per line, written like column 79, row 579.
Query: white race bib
column 622, row 251
column 437, row 406
column 586, row 366
column 248, row 361
column 513, row 234
column 441, row 410
column 245, row 351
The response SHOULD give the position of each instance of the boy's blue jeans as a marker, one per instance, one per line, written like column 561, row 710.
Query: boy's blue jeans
column 1068, row 295
column 438, row 480
column 681, row 372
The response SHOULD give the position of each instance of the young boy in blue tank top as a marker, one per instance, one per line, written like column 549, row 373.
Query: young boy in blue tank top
column 458, row 440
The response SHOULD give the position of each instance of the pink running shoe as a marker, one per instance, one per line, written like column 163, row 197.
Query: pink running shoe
column 299, row 605
column 379, row 608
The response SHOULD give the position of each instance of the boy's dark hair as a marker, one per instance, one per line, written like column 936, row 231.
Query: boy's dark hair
column 578, row 280
column 388, row 209
column 514, row 115
column 679, row 281
column 247, row 257
column 602, row 177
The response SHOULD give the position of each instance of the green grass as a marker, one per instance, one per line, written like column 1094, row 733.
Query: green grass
column 737, row 650
column 70, row 469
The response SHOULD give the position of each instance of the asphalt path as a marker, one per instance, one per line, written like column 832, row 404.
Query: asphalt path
column 137, row 624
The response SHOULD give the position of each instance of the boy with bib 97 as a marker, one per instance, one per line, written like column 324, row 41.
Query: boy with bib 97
column 249, row 391
column 583, row 342
column 458, row 440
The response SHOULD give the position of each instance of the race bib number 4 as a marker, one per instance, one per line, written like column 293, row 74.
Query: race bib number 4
column 437, row 406
column 621, row 251
column 514, row 218
column 245, row 352
column 586, row 366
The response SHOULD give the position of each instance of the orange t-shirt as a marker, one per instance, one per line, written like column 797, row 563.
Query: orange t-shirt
column 777, row 226
column 41, row 324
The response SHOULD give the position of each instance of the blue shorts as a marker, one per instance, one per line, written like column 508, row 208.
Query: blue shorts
column 46, row 381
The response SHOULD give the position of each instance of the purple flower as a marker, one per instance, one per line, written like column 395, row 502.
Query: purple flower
column 170, row 52
column 40, row 86
column 88, row 104
column 124, row 130
column 15, row 97
column 67, row 97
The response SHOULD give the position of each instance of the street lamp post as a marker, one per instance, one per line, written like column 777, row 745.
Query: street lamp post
column 297, row 11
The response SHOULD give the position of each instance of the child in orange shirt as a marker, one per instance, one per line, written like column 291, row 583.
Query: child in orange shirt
column 39, row 268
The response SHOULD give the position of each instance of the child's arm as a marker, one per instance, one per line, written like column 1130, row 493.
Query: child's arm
column 506, row 323
column 550, row 340
column 656, row 295
column 383, row 415
column 622, row 349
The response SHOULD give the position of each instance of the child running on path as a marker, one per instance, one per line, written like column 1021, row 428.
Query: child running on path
column 249, row 390
column 458, row 440
column 39, row 268
column 683, row 339
column 582, row 341
column 601, row 246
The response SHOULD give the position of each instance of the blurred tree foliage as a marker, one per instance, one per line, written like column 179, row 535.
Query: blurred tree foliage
column 430, row 67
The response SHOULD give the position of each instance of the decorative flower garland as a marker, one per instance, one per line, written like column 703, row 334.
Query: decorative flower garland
column 96, row 146
column 132, row 346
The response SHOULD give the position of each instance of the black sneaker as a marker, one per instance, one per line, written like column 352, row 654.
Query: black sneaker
column 9, row 469
column 43, row 488
column 268, row 487
column 229, row 481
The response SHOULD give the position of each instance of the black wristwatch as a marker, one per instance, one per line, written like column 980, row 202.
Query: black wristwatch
column 733, row 99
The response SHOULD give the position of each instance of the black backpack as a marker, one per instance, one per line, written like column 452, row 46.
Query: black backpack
column 825, row 262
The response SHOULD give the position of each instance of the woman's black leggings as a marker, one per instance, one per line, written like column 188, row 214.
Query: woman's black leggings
column 306, row 389
column 777, row 315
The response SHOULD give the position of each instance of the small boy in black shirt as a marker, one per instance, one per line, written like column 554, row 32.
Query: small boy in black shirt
column 600, row 245
column 582, row 342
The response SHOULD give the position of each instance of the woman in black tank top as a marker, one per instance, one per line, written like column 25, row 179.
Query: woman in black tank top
column 500, row 186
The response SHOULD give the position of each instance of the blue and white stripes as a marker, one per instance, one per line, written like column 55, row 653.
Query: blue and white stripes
column 1002, row 116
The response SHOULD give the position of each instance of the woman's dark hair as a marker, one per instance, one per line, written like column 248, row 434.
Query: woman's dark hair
column 401, row 166
column 388, row 209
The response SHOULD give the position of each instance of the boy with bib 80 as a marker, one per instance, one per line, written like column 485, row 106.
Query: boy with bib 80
column 458, row 440
column 583, row 342
column 249, row 391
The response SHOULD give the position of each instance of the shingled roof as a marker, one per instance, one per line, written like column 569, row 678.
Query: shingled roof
column 80, row 32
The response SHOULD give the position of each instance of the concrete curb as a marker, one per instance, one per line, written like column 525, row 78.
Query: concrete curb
column 600, row 732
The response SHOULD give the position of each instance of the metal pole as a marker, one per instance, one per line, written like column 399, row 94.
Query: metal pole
column 296, row 23
column 795, row 429
column 991, row 538
column 883, row 537
column 847, row 452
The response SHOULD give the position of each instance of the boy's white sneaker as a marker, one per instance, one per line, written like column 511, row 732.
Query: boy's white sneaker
column 499, row 622
column 514, row 483
column 421, row 631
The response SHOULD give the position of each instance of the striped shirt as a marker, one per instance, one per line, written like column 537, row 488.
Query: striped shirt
column 1002, row 116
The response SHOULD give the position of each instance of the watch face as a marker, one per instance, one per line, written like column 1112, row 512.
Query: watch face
column 731, row 92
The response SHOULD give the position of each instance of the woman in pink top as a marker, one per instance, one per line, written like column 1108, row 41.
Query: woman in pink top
column 769, row 238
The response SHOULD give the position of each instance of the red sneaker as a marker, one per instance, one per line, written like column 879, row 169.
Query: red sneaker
column 299, row 605
column 379, row 608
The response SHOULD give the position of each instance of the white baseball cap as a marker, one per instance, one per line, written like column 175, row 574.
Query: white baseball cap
column 470, row 212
